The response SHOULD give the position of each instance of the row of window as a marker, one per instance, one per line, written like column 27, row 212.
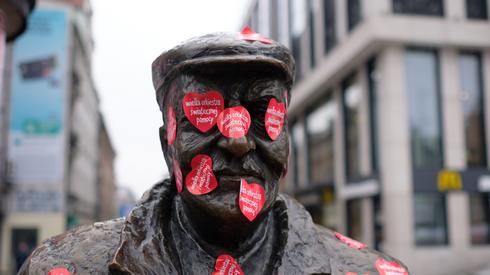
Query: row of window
column 431, row 219
column 301, row 14
column 425, row 120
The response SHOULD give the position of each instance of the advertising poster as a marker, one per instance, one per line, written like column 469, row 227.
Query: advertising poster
column 38, row 96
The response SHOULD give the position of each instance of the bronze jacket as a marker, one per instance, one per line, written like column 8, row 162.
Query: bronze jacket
column 140, row 244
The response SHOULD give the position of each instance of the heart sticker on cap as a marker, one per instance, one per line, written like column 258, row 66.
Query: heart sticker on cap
column 59, row 271
column 251, row 199
column 201, row 179
column 177, row 175
column 350, row 242
column 234, row 122
column 203, row 109
column 226, row 265
column 390, row 268
column 274, row 118
column 172, row 126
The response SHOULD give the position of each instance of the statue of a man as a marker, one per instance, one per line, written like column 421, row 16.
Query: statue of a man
column 225, row 140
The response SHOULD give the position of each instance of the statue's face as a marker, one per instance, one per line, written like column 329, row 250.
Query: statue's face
column 256, row 157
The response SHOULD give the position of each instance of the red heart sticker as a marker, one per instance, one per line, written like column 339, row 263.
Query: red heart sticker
column 350, row 242
column 177, row 175
column 390, row 268
column 251, row 199
column 234, row 122
column 274, row 118
column 172, row 126
column 201, row 179
column 226, row 265
column 203, row 109
column 59, row 271
column 249, row 35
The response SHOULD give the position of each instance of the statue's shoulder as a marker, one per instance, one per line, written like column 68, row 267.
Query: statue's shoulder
column 77, row 249
column 323, row 251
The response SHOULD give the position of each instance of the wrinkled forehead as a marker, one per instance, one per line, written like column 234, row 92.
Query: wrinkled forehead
column 243, row 85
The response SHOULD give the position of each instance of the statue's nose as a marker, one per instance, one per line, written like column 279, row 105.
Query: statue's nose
column 237, row 146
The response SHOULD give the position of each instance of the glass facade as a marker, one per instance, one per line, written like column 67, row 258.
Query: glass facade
column 354, row 13
column 422, row 80
column 329, row 24
column 476, row 9
column 354, row 222
column 320, row 125
column 480, row 218
column 430, row 219
column 296, row 143
column 351, row 101
column 470, row 79
column 373, row 107
column 297, row 15
column 419, row 7
column 311, row 28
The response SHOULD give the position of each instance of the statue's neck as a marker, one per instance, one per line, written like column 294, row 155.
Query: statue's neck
column 216, row 235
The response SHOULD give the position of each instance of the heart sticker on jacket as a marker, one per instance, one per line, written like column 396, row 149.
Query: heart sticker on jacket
column 226, row 265
column 201, row 179
column 171, row 126
column 203, row 109
column 274, row 118
column 251, row 199
column 350, row 242
column 234, row 122
column 390, row 268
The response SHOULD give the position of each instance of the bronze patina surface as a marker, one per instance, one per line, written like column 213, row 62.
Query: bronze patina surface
column 182, row 233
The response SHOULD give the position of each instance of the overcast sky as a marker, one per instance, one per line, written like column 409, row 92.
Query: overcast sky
column 128, row 36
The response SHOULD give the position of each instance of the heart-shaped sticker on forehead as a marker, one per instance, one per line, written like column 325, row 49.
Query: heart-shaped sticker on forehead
column 274, row 118
column 350, row 242
column 201, row 179
column 226, row 265
column 251, row 199
column 203, row 109
column 234, row 122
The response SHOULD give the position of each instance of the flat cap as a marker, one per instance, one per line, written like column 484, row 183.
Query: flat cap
column 245, row 47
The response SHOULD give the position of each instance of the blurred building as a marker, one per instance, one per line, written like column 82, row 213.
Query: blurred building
column 389, row 123
column 13, row 21
column 59, row 153
column 107, row 197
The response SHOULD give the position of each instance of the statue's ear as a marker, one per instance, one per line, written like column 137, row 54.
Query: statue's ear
column 163, row 142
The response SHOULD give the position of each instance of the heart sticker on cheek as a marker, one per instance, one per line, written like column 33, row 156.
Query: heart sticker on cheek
column 225, row 264
column 274, row 118
column 177, row 175
column 201, row 179
column 390, row 268
column 234, row 122
column 172, row 126
column 251, row 199
column 203, row 109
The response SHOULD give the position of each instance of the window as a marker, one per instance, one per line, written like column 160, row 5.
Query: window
column 329, row 24
column 422, row 77
column 470, row 75
column 297, row 10
column 296, row 141
column 420, row 7
column 480, row 218
column 373, row 118
column 353, row 13
column 430, row 219
column 351, row 101
column 311, row 27
column 476, row 9
column 354, row 223
column 320, row 125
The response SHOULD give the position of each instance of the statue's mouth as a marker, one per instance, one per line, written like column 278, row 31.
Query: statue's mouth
column 232, row 182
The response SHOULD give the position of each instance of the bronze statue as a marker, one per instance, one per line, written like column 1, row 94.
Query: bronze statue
column 225, row 140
